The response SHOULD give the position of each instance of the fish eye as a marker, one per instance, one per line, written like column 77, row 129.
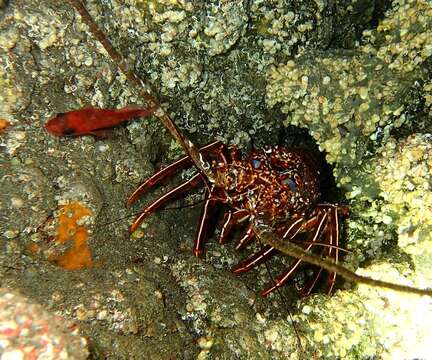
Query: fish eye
column 61, row 114
column 69, row 131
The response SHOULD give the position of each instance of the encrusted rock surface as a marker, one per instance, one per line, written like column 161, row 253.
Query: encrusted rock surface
column 360, row 105
column 355, row 74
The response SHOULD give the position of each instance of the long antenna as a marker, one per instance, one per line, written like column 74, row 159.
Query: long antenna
column 285, row 303
column 267, row 236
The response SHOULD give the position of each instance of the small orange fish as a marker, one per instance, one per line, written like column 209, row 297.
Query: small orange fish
column 89, row 121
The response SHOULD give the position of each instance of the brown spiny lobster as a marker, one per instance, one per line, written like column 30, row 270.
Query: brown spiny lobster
column 279, row 185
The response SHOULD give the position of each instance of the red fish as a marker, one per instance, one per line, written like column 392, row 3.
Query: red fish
column 89, row 121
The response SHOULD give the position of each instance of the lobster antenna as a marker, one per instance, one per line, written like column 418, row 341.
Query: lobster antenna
column 267, row 236
column 285, row 303
column 150, row 100
column 321, row 244
column 162, row 209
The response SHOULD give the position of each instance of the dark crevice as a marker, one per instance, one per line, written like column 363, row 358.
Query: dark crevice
column 417, row 119
column 381, row 6
column 349, row 29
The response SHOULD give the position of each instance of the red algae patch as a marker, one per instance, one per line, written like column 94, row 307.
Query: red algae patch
column 71, row 231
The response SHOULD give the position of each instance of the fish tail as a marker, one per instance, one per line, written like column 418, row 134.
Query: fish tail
column 139, row 111
column 147, row 111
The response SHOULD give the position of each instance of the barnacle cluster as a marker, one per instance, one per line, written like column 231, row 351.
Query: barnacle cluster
column 404, row 169
column 365, row 323
column 348, row 97
column 10, row 92
column 336, row 98
column 14, row 89
column 8, row 95
column 97, row 309
column 279, row 28
column 404, row 36
column 210, row 58
column 172, row 32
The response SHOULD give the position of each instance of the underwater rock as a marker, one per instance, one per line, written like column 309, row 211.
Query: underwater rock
column 27, row 331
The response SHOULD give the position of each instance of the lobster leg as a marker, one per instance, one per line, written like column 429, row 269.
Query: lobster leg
column 330, row 238
column 333, row 240
column 307, row 289
column 246, row 239
column 262, row 255
column 256, row 259
column 321, row 223
column 292, row 230
column 173, row 193
column 168, row 171
column 213, row 195
column 205, row 218
column 285, row 276
column 230, row 220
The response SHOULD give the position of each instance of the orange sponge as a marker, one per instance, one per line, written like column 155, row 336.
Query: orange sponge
column 69, row 230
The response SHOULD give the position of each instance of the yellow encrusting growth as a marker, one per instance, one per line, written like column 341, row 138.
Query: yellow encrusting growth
column 348, row 97
column 405, row 177
column 428, row 96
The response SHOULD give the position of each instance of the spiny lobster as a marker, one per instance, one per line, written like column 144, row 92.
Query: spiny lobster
column 279, row 185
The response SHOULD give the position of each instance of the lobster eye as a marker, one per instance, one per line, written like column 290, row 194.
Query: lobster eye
column 291, row 183
column 256, row 163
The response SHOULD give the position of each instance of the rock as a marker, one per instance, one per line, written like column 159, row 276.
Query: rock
column 28, row 330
